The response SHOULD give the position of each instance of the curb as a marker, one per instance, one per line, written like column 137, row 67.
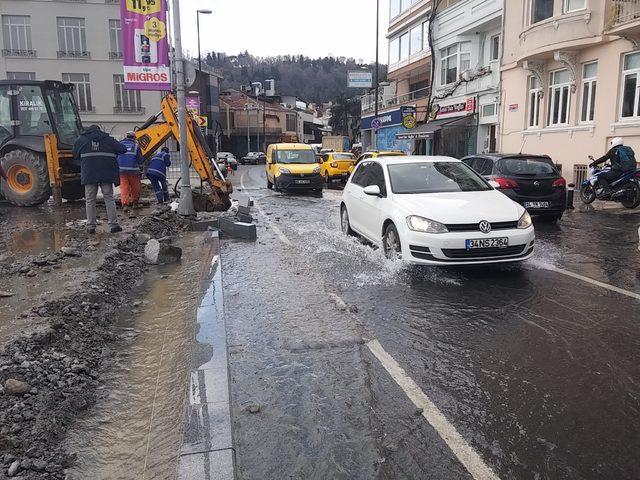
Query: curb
column 207, row 445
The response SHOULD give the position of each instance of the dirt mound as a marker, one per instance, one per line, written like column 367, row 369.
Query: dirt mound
column 60, row 366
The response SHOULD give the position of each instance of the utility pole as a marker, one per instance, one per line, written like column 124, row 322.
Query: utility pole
column 248, row 122
column 258, row 125
column 185, row 207
column 375, row 115
column 264, row 112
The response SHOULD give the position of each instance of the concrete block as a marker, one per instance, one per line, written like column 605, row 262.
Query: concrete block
column 204, row 225
column 245, row 218
column 244, row 210
column 242, row 230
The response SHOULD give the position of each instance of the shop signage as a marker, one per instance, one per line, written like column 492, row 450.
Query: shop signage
column 193, row 104
column 460, row 108
column 376, row 123
column 145, row 44
column 386, row 119
column 408, row 117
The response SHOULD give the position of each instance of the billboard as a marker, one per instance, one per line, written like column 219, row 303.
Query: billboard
column 359, row 79
column 145, row 46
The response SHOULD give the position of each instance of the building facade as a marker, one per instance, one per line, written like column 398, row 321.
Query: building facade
column 467, row 44
column 77, row 42
column 571, row 79
column 409, row 60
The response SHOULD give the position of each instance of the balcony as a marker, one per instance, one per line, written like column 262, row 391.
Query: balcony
column 621, row 12
column 368, row 103
column 129, row 110
column 73, row 54
column 112, row 2
column 12, row 52
column 115, row 55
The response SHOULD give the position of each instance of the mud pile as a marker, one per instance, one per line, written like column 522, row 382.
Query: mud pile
column 51, row 376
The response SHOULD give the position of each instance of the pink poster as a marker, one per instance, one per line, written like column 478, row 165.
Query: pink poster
column 145, row 44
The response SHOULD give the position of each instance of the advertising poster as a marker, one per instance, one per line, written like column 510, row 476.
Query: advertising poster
column 145, row 44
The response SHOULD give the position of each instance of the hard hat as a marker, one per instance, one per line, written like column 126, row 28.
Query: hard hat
column 616, row 141
column 165, row 149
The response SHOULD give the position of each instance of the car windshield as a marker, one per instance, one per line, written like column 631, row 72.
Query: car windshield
column 527, row 166
column 435, row 177
column 343, row 156
column 295, row 156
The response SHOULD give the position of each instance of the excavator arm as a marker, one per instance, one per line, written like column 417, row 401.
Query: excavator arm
column 155, row 131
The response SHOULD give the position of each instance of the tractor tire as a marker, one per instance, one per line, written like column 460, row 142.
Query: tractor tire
column 73, row 191
column 28, row 178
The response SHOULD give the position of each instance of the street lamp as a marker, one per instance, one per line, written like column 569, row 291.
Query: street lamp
column 375, row 115
column 203, row 12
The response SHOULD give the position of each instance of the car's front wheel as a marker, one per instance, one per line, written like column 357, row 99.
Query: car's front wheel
column 391, row 243
column 344, row 221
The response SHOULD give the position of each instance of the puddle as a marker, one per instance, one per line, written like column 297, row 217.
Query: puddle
column 134, row 430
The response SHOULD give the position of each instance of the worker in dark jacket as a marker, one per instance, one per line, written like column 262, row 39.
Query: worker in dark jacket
column 96, row 152
column 130, row 163
column 157, row 173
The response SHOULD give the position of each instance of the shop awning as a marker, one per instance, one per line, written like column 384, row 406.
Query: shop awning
column 426, row 130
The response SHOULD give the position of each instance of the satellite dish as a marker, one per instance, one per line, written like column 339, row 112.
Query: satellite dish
column 190, row 75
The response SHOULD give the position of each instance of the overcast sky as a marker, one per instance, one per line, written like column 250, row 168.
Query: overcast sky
column 279, row 27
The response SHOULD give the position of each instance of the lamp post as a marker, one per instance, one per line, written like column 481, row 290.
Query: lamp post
column 375, row 115
column 203, row 12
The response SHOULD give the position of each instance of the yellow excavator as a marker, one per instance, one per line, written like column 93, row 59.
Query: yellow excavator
column 39, row 123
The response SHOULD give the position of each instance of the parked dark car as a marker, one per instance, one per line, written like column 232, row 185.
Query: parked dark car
column 531, row 180
column 254, row 158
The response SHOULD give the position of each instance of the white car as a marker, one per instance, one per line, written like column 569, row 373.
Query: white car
column 434, row 210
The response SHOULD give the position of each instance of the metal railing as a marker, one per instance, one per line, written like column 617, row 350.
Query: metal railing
column 132, row 110
column 623, row 11
column 12, row 52
column 580, row 173
column 368, row 103
column 73, row 54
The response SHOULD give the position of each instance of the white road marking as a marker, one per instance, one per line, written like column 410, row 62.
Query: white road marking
column 283, row 238
column 458, row 445
column 577, row 276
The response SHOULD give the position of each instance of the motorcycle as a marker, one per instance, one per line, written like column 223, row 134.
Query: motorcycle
column 625, row 190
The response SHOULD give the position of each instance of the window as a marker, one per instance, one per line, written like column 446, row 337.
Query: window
column 559, row 97
column 630, row 86
column 435, row 177
column 404, row 46
column 535, row 95
column 376, row 177
column 291, row 123
column 32, row 112
column 359, row 177
column 573, row 5
column 21, row 75
column 488, row 110
column 589, row 77
column 394, row 51
column 454, row 60
column 6, row 128
column 127, row 101
column 425, row 35
column 114, row 39
column 394, row 8
column 72, row 38
column 16, row 35
column 541, row 10
column 416, row 39
column 82, row 90
column 495, row 48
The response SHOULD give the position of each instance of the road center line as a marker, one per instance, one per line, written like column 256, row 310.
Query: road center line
column 283, row 238
column 577, row 276
column 458, row 445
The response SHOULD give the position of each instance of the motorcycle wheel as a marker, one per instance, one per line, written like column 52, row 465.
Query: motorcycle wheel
column 587, row 194
column 632, row 195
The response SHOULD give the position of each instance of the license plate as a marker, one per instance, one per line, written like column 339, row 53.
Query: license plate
column 536, row 204
column 501, row 242
column 303, row 182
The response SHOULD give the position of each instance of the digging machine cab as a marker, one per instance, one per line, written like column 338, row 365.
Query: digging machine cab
column 39, row 122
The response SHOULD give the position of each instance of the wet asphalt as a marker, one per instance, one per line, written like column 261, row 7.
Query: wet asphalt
column 537, row 370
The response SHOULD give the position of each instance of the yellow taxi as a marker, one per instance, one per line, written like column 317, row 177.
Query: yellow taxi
column 335, row 167
column 377, row 153
column 292, row 166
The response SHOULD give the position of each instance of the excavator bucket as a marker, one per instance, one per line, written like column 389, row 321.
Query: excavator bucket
column 215, row 200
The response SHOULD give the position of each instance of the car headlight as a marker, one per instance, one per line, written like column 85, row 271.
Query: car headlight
column 421, row 224
column 334, row 164
column 525, row 220
column 316, row 170
column 286, row 171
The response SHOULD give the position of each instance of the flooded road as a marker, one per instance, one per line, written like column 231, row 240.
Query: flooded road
column 537, row 367
column 135, row 430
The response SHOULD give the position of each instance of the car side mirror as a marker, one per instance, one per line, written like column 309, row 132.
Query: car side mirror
column 373, row 190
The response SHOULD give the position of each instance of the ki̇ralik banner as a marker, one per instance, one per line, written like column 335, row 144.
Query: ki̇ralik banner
column 145, row 44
